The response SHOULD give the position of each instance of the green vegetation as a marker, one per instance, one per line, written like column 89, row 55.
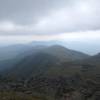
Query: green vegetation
column 49, row 75
column 11, row 95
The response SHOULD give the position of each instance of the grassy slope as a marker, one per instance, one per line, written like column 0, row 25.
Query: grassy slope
column 4, row 95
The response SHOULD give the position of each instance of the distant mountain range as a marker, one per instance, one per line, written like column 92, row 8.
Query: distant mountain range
column 27, row 61
column 11, row 51
column 48, row 69
column 17, row 52
column 65, row 54
column 45, row 60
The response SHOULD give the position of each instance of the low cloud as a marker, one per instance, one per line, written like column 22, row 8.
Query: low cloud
column 87, row 36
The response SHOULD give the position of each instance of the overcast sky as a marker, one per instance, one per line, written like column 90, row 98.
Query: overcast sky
column 67, row 20
column 48, row 16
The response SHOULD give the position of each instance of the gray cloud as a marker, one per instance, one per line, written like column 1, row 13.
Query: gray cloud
column 27, row 11
column 48, row 16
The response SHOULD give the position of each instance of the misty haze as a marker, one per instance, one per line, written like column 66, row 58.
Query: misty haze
column 49, row 50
